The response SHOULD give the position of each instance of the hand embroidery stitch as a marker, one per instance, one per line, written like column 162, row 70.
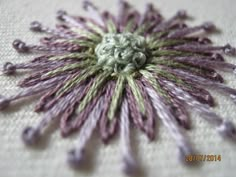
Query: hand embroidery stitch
column 109, row 72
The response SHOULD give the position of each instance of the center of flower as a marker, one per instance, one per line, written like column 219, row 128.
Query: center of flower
column 124, row 52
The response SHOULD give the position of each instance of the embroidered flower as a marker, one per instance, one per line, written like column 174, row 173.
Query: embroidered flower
column 109, row 72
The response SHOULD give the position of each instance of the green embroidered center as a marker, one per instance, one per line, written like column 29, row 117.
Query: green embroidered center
column 121, row 52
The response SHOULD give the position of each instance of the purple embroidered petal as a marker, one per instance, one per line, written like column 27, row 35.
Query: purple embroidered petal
column 130, row 164
column 75, row 156
column 169, row 121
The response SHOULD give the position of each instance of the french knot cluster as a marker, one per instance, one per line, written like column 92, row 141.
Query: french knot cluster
column 121, row 52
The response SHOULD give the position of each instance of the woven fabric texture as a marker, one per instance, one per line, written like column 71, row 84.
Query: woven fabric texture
column 158, row 158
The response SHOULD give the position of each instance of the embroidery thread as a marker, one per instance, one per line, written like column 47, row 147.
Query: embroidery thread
column 111, row 72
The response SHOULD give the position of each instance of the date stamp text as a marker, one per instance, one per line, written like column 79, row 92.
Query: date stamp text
column 203, row 158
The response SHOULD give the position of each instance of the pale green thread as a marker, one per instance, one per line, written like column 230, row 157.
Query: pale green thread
column 155, row 36
column 85, row 43
column 81, row 77
column 137, row 94
column 141, row 29
column 87, row 34
column 67, row 67
column 95, row 28
column 167, row 75
column 152, row 80
column 73, row 56
column 170, row 53
column 121, row 52
column 174, row 53
column 93, row 90
column 111, row 27
column 115, row 102
column 171, row 63
column 129, row 26
column 165, row 43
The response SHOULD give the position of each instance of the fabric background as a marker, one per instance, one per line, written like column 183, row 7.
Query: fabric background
column 157, row 158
